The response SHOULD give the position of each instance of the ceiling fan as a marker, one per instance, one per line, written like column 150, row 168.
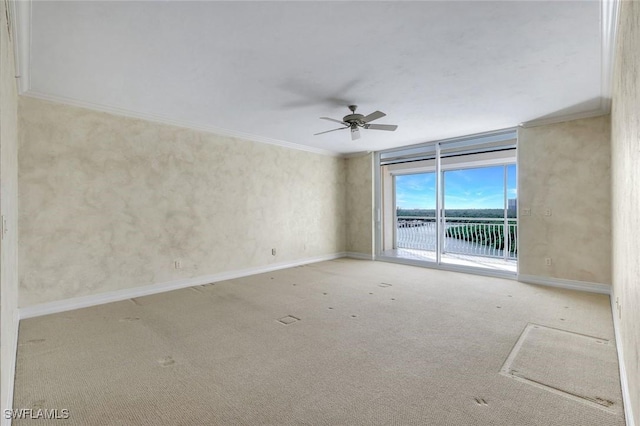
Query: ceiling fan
column 354, row 121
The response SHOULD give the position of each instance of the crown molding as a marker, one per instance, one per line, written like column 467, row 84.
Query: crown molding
column 563, row 118
column 178, row 123
column 356, row 154
column 609, row 12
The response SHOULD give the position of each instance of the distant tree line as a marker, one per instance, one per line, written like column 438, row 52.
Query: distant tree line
column 489, row 213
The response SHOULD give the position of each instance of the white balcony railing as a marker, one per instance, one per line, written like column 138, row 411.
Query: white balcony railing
column 486, row 237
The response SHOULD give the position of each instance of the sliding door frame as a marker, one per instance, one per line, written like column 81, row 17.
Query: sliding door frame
column 466, row 141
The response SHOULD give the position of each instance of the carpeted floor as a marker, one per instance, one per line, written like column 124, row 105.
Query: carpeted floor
column 344, row 342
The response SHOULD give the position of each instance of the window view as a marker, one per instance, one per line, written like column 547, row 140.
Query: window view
column 416, row 211
column 478, row 226
column 479, row 214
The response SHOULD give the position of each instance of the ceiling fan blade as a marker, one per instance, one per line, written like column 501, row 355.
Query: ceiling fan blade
column 389, row 127
column 333, row 119
column 333, row 130
column 373, row 116
column 355, row 134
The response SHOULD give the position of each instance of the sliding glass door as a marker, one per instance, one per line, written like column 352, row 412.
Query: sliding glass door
column 451, row 204
column 479, row 229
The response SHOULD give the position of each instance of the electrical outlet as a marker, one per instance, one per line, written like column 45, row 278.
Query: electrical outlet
column 526, row 212
column 273, row 252
column 547, row 212
column 547, row 261
column 178, row 264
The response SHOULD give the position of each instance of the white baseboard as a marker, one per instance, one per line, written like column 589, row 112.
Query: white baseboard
column 568, row 284
column 363, row 256
column 128, row 293
column 624, row 382
column 11, row 374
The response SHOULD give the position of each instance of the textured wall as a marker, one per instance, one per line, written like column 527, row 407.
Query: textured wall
column 8, row 207
column 565, row 167
column 625, row 139
column 108, row 203
column 359, row 204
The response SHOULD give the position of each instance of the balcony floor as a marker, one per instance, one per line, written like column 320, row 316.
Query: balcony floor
column 491, row 263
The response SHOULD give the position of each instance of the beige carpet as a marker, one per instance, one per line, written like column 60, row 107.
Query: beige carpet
column 345, row 342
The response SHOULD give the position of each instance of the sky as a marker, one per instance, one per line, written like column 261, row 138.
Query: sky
column 480, row 188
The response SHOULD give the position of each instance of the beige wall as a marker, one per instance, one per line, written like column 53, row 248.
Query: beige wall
column 359, row 204
column 8, row 209
column 565, row 167
column 109, row 203
column 625, row 138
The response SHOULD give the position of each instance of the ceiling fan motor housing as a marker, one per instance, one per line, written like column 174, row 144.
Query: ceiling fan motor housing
column 354, row 119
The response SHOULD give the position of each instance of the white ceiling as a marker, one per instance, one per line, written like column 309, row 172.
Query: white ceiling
column 268, row 70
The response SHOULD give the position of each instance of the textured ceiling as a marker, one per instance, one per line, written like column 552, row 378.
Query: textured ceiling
column 268, row 70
